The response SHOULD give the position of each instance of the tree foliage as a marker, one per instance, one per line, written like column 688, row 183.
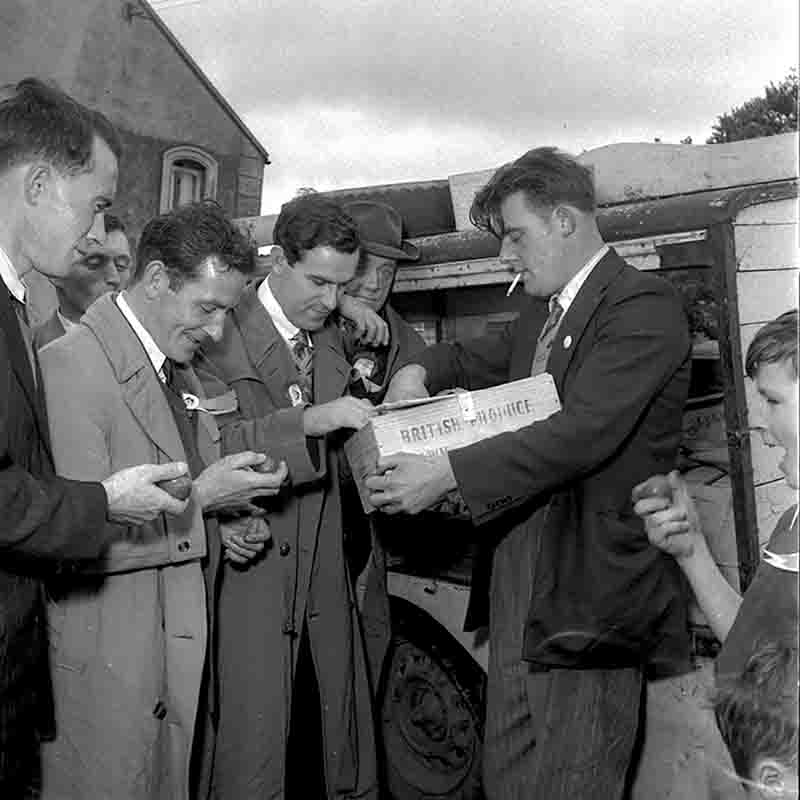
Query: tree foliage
column 775, row 112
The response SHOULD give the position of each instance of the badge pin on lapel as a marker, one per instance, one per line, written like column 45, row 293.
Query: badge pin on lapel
column 567, row 342
column 295, row 395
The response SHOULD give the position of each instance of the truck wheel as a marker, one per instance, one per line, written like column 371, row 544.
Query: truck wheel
column 431, row 706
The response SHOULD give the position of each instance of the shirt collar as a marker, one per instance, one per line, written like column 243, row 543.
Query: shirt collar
column 11, row 278
column 65, row 321
column 570, row 291
column 285, row 327
column 157, row 358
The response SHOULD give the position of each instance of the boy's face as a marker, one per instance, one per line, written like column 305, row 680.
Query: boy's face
column 777, row 388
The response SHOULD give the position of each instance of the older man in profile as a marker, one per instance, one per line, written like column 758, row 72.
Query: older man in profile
column 58, row 174
column 100, row 266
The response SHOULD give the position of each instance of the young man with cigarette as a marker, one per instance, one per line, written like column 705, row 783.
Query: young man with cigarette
column 581, row 606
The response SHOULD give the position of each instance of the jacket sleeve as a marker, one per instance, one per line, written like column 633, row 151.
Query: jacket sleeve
column 43, row 517
column 641, row 341
column 278, row 434
column 473, row 364
column 80, row 410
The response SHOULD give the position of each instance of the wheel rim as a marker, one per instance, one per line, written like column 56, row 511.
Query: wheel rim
column 428, row 725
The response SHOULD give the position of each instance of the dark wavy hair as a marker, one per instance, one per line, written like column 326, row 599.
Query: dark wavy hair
column 774, row 343
column 546, row 176
column 185, row 238
column 39, row 121
column 311, row 220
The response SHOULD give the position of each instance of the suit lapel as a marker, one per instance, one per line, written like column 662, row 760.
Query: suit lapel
column 331, row 370
column 17, row 350
column 21, row 365
column 266, row 358
column 139, row 384
column 579, row 314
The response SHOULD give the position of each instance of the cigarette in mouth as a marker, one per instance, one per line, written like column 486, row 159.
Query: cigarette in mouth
column 513, row 284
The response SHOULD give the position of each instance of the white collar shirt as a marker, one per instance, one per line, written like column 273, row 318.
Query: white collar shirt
column 11, row 278
column 285, row 327
column 570, row 291
column 66, row 323
column 157, row 358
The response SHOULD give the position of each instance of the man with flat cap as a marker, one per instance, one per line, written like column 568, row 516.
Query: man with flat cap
column 383, row 247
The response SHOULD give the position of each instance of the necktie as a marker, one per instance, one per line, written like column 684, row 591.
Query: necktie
column 185, row 420
column 303, row 357
column 546, row 338
column 25, row 330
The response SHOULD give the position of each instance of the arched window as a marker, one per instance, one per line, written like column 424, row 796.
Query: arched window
column 188, row 174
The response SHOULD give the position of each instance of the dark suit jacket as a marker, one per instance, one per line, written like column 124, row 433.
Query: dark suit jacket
column 603, row 596
column 44, row 520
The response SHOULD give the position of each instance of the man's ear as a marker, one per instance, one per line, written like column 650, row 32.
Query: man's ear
column 37, row 179
column 278, row 257
column 771, row 777
column 155, row 279
column 565, row 220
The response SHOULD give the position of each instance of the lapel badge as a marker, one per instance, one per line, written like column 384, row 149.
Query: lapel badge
column 567, row 342
column 295, row 395
column 191, row 401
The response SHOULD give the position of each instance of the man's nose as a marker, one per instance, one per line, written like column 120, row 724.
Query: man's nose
column 330, row 296
column 98, row 229
column 112, row 274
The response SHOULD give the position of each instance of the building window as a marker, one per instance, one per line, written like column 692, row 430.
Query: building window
column 189, row 174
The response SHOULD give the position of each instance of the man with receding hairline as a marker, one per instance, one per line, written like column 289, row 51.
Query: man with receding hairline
column 58, row 174
column 99, row 267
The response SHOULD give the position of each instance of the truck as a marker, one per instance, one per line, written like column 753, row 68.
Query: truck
column 719, row 222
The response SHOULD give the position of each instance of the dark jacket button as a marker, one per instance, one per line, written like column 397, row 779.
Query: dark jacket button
column 285, row 548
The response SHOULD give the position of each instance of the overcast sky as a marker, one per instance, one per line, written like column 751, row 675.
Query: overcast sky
column 346, row 93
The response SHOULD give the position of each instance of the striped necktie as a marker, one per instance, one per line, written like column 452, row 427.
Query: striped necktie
column 546, row 338
column 303, row 356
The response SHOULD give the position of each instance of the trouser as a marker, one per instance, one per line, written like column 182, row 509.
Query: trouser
column 560, row 734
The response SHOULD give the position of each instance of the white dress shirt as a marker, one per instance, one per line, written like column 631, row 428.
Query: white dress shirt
column 285, row 327
column 11, row 278
column 157, row 358
column 570, row 291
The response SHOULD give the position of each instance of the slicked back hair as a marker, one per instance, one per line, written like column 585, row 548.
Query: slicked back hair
column 546, row 177
column 311, row 220
column 775, row 343
column 185, row 238
column 38, row 121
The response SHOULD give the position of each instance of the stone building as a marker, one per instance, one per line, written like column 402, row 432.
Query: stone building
column 182, row 140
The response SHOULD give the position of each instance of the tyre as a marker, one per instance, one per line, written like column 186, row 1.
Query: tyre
column 431, row 712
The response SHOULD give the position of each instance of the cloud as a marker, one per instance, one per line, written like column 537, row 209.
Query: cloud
column 353, row 92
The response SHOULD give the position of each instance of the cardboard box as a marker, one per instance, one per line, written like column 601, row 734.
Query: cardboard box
column 438, row 424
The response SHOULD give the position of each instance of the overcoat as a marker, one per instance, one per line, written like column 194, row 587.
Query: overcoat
column 46, row 521
column 129, row 632
column 603, row 597
column 300, row 580
column 52, row 328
